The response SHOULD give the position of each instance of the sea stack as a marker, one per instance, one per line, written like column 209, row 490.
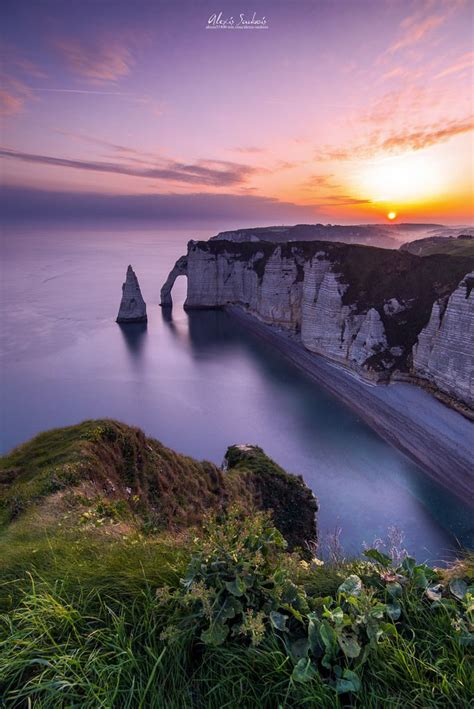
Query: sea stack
column 132, row 307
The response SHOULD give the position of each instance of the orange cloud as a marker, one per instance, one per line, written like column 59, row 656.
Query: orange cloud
column 342, row 200
column 322, row 182
column 415, row 139
column 423, row 137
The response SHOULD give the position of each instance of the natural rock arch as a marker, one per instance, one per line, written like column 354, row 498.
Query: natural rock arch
column 179, row 269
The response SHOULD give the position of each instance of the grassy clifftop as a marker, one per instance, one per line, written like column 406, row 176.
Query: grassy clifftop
column 462, row 246
column 132, row 577
column 108, row 470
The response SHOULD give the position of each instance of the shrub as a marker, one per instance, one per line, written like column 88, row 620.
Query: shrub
column 237, row 584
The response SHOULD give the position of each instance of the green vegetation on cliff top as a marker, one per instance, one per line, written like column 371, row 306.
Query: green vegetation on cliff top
column 462, row 246
column 132, row 576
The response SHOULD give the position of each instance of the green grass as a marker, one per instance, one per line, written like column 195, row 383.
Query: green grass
column 101, row 610
column 450, row 247
column 81, row 625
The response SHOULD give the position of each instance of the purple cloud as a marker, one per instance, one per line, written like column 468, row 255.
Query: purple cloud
column 205, row 172
column 96, row 61
column 24, row 202
column 13, row 95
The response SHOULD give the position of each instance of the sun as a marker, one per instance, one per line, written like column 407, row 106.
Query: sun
column 392, row 216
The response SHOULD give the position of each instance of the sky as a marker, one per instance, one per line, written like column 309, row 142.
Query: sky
column 339, row 111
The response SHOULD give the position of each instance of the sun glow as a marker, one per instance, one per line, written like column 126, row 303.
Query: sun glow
column 392, row 216
column 404, row 178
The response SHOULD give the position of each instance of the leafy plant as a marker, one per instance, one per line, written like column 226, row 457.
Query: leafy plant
column 237, row 584
column 342, row 634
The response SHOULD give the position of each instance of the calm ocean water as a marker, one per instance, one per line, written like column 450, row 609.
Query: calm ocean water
column 197, row 381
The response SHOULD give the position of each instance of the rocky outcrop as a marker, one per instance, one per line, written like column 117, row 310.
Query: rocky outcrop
column 444, row 353
column 290, row 501
column 363, row 307
column 370, row 339
column 132, row 306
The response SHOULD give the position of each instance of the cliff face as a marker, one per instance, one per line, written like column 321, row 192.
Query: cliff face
column 444, row 353
column 332, row 328
column 376, row 311
column 267, row 284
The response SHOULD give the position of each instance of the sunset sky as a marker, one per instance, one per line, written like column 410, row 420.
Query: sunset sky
column 339, row 111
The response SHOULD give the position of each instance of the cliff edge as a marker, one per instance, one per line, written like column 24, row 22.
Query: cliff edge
column 106, row 473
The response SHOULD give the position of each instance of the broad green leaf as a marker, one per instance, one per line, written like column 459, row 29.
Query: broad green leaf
column 328, row 636
column 352, row 586
column 303, row 671
column 388, row 629
column 327, row 661
column 313, row 635
column 394, row 589
column 299, row 649
column 394, row 610
column 230, row 608
column 419, row 577
column 373, row 629
column 458, row 588
column 215, row 634
column 349, row 682
column 191, row 571
column 377, row 556
column 446, row 603
column 349, row 645
column 236, row 587
column 378, row 611
column 336, row 616
column 278, row 620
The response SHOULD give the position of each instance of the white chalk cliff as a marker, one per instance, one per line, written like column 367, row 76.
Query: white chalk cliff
column 365, row 308
column 444, row 353
column 132, row 306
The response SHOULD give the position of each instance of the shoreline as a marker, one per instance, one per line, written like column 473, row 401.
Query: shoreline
column 437, row 438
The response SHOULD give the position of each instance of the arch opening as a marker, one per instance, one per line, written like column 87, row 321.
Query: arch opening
column 179, row 269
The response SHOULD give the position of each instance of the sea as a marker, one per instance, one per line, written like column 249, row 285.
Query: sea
column 197, row 381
